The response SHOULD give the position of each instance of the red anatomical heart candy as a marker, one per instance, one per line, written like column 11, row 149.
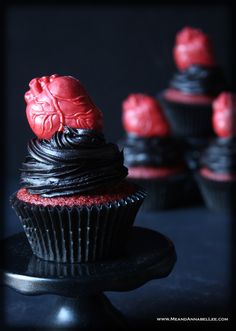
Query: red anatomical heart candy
column 57, row 101
column 192, row 46
column 224, row 115
column 142, row 116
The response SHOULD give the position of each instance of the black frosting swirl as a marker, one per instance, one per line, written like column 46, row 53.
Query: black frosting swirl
column 153, row 151
column 73, row 161
column 198, row 79
column 220, row 156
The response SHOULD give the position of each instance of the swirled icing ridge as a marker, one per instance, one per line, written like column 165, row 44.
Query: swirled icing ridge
column 75, row 161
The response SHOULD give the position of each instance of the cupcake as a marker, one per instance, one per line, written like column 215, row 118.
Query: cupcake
column 74, row 202
column 188, row 99
column 153, row 157
column 217, row 174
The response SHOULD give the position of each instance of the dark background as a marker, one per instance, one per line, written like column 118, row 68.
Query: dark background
column 113, row 50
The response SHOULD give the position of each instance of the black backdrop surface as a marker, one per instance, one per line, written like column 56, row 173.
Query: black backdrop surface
column 113, row 51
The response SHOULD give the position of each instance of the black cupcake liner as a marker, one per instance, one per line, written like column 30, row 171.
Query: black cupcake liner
column 192, row 149
column 163, row 193
column 218, row 195
column 80, row 233
column 188, row 119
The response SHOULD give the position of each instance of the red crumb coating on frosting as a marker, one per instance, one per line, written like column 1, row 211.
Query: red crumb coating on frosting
column 192, row 46
column 178, row 96
column 57, row 101
column 224, row 115
column 99, row 197
column 152, row 172
column 142, row 115
column 205, row 172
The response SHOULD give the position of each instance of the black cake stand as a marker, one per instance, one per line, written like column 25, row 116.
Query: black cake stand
column 81, row 303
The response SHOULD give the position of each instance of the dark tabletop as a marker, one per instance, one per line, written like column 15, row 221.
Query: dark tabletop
column 199, row 284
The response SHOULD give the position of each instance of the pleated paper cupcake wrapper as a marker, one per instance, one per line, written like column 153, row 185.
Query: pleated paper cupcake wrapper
column 188, row 119
column 80, row 233
column 193, row 148
column 218, row 195
column 166, row 193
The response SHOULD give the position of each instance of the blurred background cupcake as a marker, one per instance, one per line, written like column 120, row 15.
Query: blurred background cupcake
column 217, row 174
column 188, row 99
column 187, row 102
column 153, row 157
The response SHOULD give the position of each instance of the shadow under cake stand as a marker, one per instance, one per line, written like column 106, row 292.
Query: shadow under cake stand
column 81, row 303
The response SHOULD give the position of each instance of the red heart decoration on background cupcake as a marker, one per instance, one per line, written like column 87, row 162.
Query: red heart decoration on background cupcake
column 142, row 116
column 224, row 115
column 57, row 101
column 192, row 46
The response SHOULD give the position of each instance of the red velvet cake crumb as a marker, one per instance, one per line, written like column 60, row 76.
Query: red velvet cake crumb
column 205, row 172
column 178, row 96
column 155, row 173
column 99, row 197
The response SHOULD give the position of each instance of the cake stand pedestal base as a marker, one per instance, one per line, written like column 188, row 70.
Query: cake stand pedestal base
column 81, row 303
column 88, row 312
